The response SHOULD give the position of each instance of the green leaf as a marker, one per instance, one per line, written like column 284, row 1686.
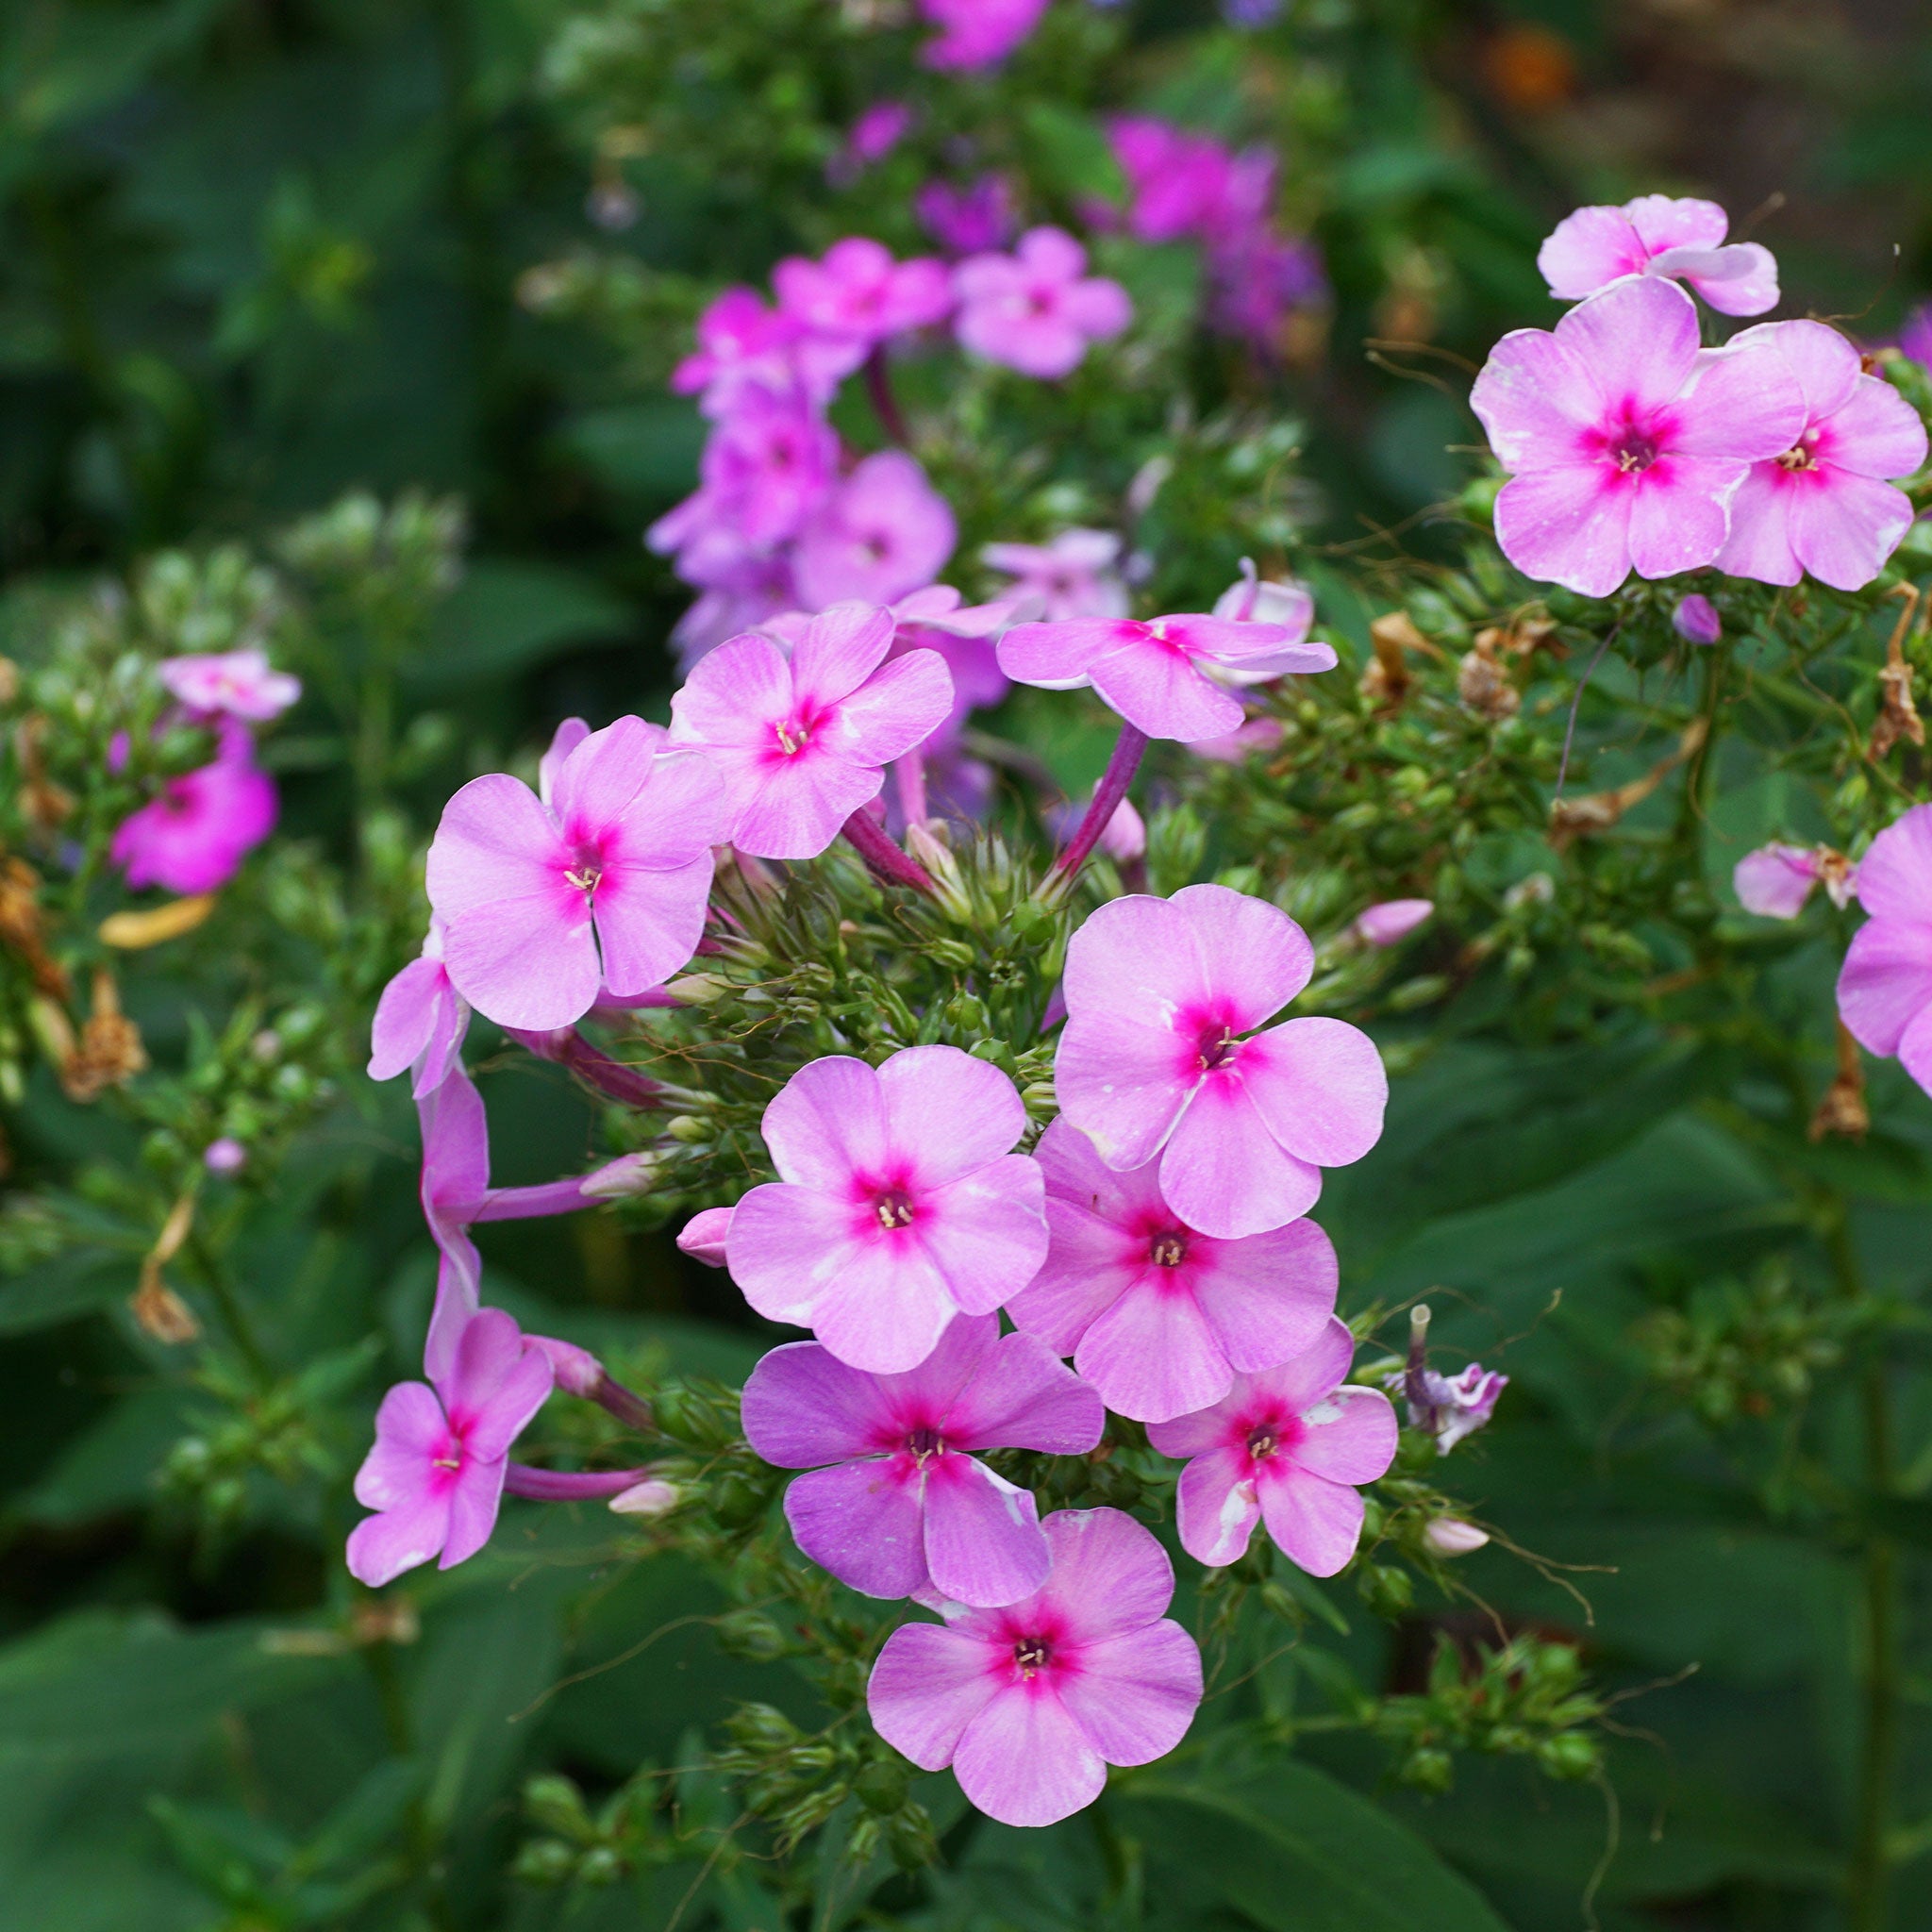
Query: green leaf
column 505, row 616
column 77, row 1283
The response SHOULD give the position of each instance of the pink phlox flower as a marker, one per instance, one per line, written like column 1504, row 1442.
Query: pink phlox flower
column 1822, row 505
column 969, row 220
column 1695, row 618
column 1915, row 337
column 420, row 1021
column 1452, row 1407
column 1776, row 879
column 881, row 533
column 1286, row 1447
column 1658, row 235
column 543, row 906
column 1161, row 1056
column 1157, row 1316
column 976, row 33
column 1179, row 182
column 799, row 740
column 192, row 836
column 1030, row 1704
column 1625, row 440
column 704, row 1235
column 1167, row 677
column 858, row 294
column 1885, row 988
column 898, row 1203
column 743, row 343
column 229, row 684
column 435, row 1475
column 897, row 1500
column 766, row 466
column 1123, row 839
column 1074, row 575
column 1253, row 600
column 877, row 132
column 1389, row 922
column 740, row 588
column 1036, row 309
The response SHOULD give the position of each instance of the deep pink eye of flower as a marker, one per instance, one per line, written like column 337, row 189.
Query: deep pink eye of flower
column 883, row 532
column 860, row 293
column 1161, row 1057
column 229, row 684
column 799, row 741
column 420, row 1021
column 896, row 1501
column 898, row 1205
column 1157, row 1316
column 1285, row 1447
column 1030, row 1704
column 1656, row 235
column 1166, row 676
column 1822, row 505
column 1036, row 309
column 976, row 33
column 435, row 1475
column 195, row 834
column 1885, row 989
column 1625, row 440
column 542, row 905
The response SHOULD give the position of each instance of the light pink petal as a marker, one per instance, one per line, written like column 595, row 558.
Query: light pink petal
column 1589, row 249
column 1743, row 404
column 1135, row 1695
column 1885, row 982
column 1089, row 1264
column 1060, row 656
column 983, row 1542
column 1746, row 286
column 1025, row 1397
column 497, row 1382
column 1098, row 308
column 1759, row 543
column 494, row 842
column 789, row 1244
column 929, row 1683
column 828, row 1124
column 1121, row 1083
column 382, row 1547
column 1351, row 1436
column 1568, row 527
column 1315, row 1522
column 704, row 1235
column 882, row 1312
column 1775, row 880
column 1668, row 220
column 649, row 922
column 1076, row 1175
column 565, row 740
column 1638, row 340
column 1052, row 252
column 1321, row 1086
column 1844, row 530
column 1191, row 1435
column 1024, row 1761
column 1164, row 694
column 1152, row 1354
column 1895, row 876
column 1252, row 954
column 1823, row 364
column 1137, row 957
column 926, row 1396
column 898, row 708
column 595, row 785
column 950, row 1112
column 1308, row 1378
column 1110, row 1574
column 1678, row 521
column 456, row 1148
column 1215, row 1505
column 986, row 1233
column 1915, row 1050
column 1877, row 433
column 802, row 1407
column 794, row 807
column 1268, row 1297
column 1224, row 1172
column 734, row 695
column 862, row 1521
column 674, row 820
column 530, row 963
column 410, row 1428
column 842, row 647
column 405, row 1016
column 459, row 1286
column 473, row 1501
column 1537, row 402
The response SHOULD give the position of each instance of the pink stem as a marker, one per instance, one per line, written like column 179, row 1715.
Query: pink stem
column 908, row 774
column 878, row 386
column 564, row 1485
column 869, row 840
column 1127, row 751
column 525, row 1204
column 629, row 1409
column 568, row 1048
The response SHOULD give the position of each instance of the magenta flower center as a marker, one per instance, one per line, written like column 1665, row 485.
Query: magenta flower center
column 924, row 1443
column 1802, row 455
column 1032, row 1655
column 792, row 735
column 1216, row 1045
column 1169, row 1248
column 586, row 867
column 1634, row 452
column 894, row 1207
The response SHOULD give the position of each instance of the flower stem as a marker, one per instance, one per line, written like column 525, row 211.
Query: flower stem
column 885, row 404
column 908, row 775
column 565, row 1486
column 569, row 1048
column 869, row 840
column 628, row 1407
column 1128, row 749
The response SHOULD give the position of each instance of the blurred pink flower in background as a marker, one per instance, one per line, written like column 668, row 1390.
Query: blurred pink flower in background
column 1695, row 620
column 1036, row 309
column 1073, row 575
column 1885, row 989
column 859, row 293
column 976, row 33
column 229, row 684
column 969, row 220
column 883, row 532
column 1389, row 922
column 195, row 834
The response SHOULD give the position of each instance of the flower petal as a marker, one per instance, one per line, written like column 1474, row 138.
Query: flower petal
column 985, row 1235
column 1351, row 1436
column 828, row 1123
column 1215, row 1505
column 1315, row 1522
column 929, row 1683
column 1224, row 1172
column 1154, row 1355
column 1877, row 433
column 1024, row 1761
column 1161, row 693
column 1319, row 1085
column 1058, row 656
column 1110, row 1574
column 802, row 1407
column 382, row 1547
column 410, row 1428
column 1269, row 1297
column 983, row 1542
column 1639, row 340
column 1025, row 1397
column 1135, row 1695
column 1759, row 543
column 1589, row 249
column 1895, row 876
column 862, row 1521
column 1846, row 528
column 1678, row 520
column 1537, row 402
column 1886, row 981
column 1254, row 958
column 898, row 708
column 1567, row 525
column 950, row 1114
column 649, row 922
column 842, row 647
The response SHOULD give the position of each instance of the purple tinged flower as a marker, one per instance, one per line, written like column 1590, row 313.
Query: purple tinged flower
column 1389, row 922
column 1179, row 181
column 875, row 134
column 883, row 532
column 976, row 33
column 1625, row 440
column 192, row 836
column 435, row 1476
column 420, row 1021
column 898, row 1203
column 1822, row 504
column 1695, row 618
column 766, row 466
column 859, row 295
column 1775, row 880
column 1885, row 988
column 1030, row 1704
column 1074, row 575
column 1286, row 1447
column 1658, row 235
column 544, row 905
column 745, row 344
column 705, row 1235
column 229, row 684
column 1238, row 745
column 1450, row 1407
column 1161, row 1055
column 1252, row 600
column 741, row 587
column 1157, row 1316
column 224, row 1157
column 800, row 741
column 896, row 1501
column 970, row 220
column 1915, row 337
column 1166, row 676
column 1036, row 309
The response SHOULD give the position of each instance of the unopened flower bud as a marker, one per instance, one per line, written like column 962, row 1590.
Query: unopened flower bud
column 1390, row 921
column 226, row 1156
column 630, row 1174
column 704, row 1235
column 1695, row 620
column 578, row 1371
column 1449, row 1535
column 652, row 1497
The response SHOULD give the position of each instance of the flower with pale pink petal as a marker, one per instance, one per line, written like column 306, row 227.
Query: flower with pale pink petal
column 1287, row 1447
column 1389, row 922
column 435, row 1476
column 767, row 466
column 1251, row 600
column 1161, row 1056
column 1158, row 1316
column 1036, row 309
column 1074, row 575
column 195, row 834
column 1626, row 441
column 543, row 905
column 229, row 684
column 883, row 532
column 976, row 33
column 1449, row 1408
column 896, row 1501
column 898, row 1203
column 800, row 741
column 1658, row 235
column 1030, row 1704
column 1885, row 988
column 1823, row 506
column 420, row 1021
column 859, row 295
column 1775, row 880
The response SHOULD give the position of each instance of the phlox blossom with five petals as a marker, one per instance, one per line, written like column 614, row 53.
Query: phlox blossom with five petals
column 1036, row 309
column 1681, row 238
